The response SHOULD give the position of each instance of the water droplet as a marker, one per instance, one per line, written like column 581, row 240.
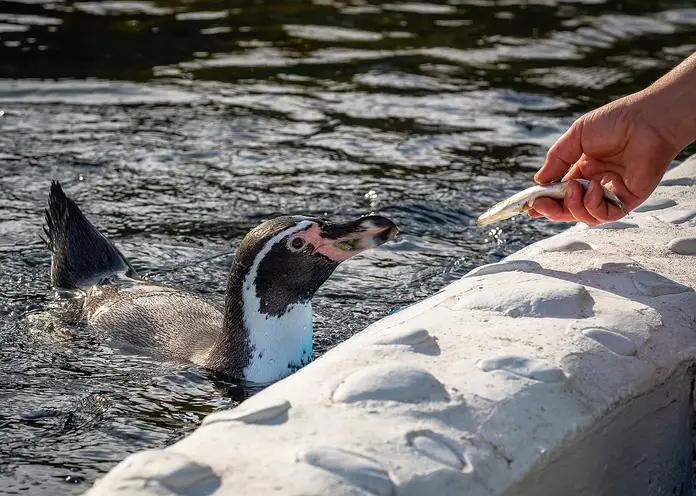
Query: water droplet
column 372, row 197
column 81, row 177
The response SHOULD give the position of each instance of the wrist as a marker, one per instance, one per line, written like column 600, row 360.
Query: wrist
column 669, row 105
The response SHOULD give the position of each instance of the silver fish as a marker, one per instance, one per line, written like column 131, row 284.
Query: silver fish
column 523, row 201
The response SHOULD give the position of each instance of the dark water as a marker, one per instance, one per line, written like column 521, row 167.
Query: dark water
column 178, row 126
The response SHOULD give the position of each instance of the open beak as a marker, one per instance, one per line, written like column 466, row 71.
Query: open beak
column 341, row 241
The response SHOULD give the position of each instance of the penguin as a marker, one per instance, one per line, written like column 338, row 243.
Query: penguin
column 263, row 331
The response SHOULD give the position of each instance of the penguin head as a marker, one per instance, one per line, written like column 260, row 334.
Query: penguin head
column 288, row 258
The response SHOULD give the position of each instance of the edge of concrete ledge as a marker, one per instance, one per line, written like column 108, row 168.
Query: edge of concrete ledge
column 564, row 369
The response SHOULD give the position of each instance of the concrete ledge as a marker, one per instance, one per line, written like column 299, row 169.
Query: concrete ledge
column 564, row 369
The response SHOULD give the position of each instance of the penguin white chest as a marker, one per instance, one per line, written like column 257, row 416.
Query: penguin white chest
column 279, row 345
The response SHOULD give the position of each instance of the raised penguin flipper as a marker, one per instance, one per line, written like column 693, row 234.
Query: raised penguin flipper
column 81, row 255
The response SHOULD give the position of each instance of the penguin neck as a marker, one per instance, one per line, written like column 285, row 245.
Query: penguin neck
column 254, row 345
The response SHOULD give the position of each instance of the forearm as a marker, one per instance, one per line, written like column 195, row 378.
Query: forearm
column 670, row 104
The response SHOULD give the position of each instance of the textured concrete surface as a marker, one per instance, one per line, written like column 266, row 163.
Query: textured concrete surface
column 565, row 369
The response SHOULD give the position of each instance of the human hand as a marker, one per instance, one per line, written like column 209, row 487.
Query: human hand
column 619, row 146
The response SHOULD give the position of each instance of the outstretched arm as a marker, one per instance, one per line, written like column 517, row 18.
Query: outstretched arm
column 625, row 145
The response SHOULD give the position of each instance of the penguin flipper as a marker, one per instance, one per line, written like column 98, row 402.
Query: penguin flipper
column 81, row 255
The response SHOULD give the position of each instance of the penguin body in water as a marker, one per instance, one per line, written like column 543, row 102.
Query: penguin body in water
column 262, row 333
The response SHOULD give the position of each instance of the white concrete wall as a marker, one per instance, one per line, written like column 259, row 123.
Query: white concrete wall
column 564, row 370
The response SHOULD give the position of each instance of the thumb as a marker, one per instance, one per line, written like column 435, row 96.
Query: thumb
column 562, row 155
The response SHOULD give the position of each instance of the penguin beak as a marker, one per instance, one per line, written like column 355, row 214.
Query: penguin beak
column 341, row 241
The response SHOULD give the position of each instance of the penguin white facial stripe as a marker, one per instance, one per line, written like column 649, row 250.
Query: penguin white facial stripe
column 276, row 342
column 305, row 224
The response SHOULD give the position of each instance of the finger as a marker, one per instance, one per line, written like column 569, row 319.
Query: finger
column 562, row 155
column 553, row 210
column 615, row 184
column 534, row 214
column 575, row 203
column 574, row 173
column 597, row 206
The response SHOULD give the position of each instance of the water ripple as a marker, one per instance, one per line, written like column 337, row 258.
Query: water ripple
column 178, row 126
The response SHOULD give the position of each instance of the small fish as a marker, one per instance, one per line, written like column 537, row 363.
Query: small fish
column 523, row 201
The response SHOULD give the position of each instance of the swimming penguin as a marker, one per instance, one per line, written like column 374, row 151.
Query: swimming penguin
column 264, row 331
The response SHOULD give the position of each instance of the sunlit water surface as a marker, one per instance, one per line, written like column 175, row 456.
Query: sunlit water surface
column 178, row 126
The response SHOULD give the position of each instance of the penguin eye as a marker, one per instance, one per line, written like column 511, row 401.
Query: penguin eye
column 297, row 243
